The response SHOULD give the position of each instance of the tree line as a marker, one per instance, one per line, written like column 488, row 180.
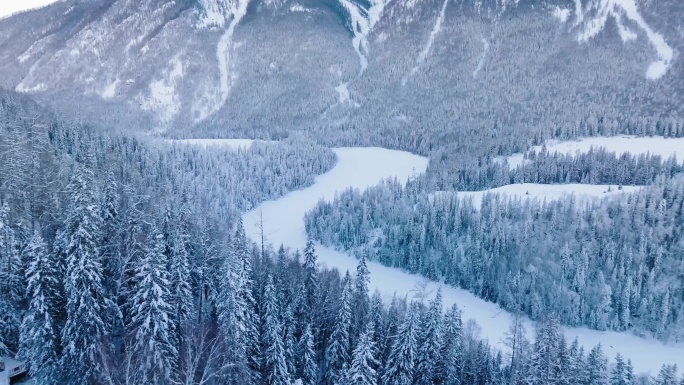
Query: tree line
column 610, row 264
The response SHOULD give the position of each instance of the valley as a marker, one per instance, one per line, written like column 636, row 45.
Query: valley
column 423, row 192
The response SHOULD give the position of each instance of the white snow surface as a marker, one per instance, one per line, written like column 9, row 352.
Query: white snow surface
column 617, row 8
column 364, row 167
column 342, row 92
column 562, row 14
column 109, row 91
column 362, row 22
column 549, row 192
column 163, row 99
column 655, row 145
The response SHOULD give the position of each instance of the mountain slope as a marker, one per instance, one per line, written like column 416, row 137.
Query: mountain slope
column 267, row 65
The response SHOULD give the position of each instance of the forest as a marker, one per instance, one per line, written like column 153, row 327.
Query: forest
column 110, row 280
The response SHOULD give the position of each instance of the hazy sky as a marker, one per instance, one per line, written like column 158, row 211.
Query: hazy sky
column 8, row 7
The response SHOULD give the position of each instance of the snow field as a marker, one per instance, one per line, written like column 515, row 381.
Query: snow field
column 283, row 223
column 656, row 145
column 549, row 192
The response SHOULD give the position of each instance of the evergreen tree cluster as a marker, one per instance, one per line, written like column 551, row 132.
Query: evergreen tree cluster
column 111, row 247
column 611, row 264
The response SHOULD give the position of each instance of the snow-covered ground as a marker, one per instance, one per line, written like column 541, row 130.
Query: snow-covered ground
column 230, row 143
column 549, row 192
column 656, row 145
column 283, row 223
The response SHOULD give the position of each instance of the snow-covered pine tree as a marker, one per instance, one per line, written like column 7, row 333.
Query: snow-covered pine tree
column 451, row 350
column 275, row 370
column 235, row 307
column 307, row 357
column 429, row 344
column 629, row 373
column 361, row 301
column 402, row 360
column 87, row 307
column 109, row 242
column 545, row 353
column 11, row 284
column 311, row 271
column 176, row 252
column 618, row 375
column 597, row 367
column 363, row 366
column 338, row 350
column 562, row 371
column 577, row 365
column 666, row 376
column 38, row 340
column 289, row 341
column 154, row 349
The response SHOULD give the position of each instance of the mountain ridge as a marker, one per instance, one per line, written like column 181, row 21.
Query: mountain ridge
column 263, row 65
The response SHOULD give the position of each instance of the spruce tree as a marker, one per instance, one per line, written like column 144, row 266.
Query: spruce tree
column 176, row 252
column 451, row 350
column 430, row 343
column 618, row 375
column 338, row 349
column 87, row 307
column 39, row 329
column 402, row 360
column 11, row 284
column 361, row 300
column 311, row 273
column 545, row 353
column 597, row 367
column 666, row 376
column 152, row 327
column 363, row 366
column 275, row 367
column 307, row 357
column 235, row 307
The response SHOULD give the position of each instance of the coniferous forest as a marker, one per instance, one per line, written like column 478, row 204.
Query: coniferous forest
column 126, row 256
column 113, row 273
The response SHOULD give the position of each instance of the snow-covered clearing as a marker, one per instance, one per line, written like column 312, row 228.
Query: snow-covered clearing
column 163, row 99
column 562, row 14
column 342, row 92
column 229, row 143
column 655, row 145
column 549, row 192
column 109, row 91
column 360, row 168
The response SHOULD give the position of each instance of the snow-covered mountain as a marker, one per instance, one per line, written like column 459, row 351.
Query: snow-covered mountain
column 276, row 64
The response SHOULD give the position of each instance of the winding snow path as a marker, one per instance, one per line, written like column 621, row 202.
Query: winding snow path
column 364, row 167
